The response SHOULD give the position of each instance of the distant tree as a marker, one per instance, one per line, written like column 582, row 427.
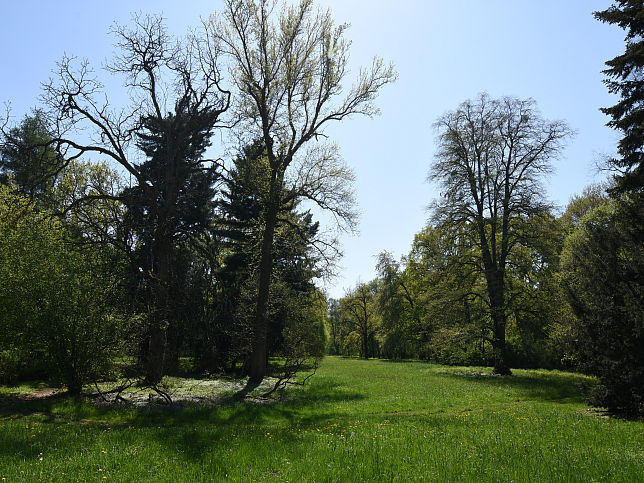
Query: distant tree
column 288, row 69
column 360, row 311
column 334, row 318
column 626, row 78
column 491, row 158
column 398, row 307
column 176, row 105
column 579, row 206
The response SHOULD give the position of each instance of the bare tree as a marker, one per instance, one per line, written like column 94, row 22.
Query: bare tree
column 288, row 68
column 159, row 139
column 492, row 157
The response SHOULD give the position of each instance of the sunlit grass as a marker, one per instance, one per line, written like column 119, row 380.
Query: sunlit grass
column 354, row 421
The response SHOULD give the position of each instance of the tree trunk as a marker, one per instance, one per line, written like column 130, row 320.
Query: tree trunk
column 257, row 360
column 498, row 338
column 498, row 344
column 365, row 345
column 496, row 293
column 155, row 362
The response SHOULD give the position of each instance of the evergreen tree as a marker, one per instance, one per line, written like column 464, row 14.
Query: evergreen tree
column 602, row 263
column 238, row 228
column 173, row 206
column 626, row 78
column 28, row 158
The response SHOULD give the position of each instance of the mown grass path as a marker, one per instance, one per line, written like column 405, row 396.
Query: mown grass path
column 354, row 421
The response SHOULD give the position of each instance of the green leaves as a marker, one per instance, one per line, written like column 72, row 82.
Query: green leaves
column 57, row 298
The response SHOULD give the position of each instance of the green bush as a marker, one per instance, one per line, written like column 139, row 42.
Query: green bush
column 602, row 267
column 458, row 346
column 58, row 297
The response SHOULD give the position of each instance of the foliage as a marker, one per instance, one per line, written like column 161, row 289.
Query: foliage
column 625, row 78
column 28, row 158
column 563, row 328
column 58, row 298
column 398, row 306
column 602, row 263
column 451, row 298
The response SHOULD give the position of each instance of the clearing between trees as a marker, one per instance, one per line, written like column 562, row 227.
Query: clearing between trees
column 355, row 420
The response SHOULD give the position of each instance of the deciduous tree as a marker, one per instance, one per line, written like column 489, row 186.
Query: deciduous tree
column 359, row 307
column 492, row 156
column 288, row 69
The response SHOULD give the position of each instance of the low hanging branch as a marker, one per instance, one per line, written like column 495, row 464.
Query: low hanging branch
column 291, row 368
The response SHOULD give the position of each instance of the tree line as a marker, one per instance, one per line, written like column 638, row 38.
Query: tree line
column 499, row 277
column 159, row 254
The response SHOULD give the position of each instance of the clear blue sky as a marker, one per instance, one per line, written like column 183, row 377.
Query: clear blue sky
column 445, row 52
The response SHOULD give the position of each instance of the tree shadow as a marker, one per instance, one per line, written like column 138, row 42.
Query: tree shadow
column 536, row 384
column 191, row 430
column 550, row 386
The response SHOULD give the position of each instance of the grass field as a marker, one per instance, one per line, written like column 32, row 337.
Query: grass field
column 354, row 421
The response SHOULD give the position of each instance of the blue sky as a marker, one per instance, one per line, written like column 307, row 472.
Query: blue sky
column 444, row 51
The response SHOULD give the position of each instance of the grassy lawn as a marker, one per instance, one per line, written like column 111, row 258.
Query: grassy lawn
column 354, row 421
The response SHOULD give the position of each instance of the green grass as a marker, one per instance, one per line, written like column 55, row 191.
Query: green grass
column 354, row 421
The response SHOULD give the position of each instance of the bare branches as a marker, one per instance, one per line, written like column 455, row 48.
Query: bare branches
column 321, row 177
column 291, row 367
column 83, row 120
column 492, row 157
column 144, row 50
column 289, row 69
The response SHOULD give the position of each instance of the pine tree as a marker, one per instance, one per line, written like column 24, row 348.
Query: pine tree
column 626, row 78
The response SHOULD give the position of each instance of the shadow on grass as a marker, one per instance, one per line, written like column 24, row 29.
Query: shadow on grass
column 547, row 386
column 191, row 431
column 531, row 384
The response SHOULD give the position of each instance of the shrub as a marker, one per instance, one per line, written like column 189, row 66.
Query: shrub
column 57, row 296
column 602, row 267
